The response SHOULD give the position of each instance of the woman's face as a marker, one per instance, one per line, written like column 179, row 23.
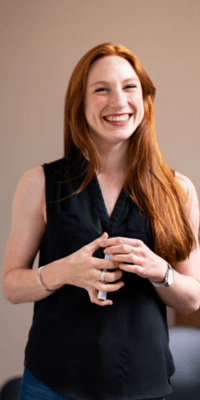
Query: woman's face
column 113, row 101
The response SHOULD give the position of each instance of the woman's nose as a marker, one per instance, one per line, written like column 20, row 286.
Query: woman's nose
column 118, row 99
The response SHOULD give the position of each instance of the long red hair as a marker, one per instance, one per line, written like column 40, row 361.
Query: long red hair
column 149, row 181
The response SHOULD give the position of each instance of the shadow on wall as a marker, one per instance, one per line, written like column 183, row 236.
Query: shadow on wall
column 10, row 389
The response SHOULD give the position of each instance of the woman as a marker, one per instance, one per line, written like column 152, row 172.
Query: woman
column 110, row 217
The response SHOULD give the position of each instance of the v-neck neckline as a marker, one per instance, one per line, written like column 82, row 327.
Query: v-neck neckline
column 102, row 210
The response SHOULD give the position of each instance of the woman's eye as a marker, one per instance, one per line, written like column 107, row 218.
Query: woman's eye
column 100, row 90
column 130, row 87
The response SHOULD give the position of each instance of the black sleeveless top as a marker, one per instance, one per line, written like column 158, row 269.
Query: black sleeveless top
column 78, row 348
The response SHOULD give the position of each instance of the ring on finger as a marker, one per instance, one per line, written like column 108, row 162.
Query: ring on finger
column 102, row 276
column 133, row 250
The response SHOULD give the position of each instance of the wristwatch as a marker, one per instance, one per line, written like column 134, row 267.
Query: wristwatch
column 169, row 277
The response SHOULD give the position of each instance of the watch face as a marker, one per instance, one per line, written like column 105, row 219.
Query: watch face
column 170, row 276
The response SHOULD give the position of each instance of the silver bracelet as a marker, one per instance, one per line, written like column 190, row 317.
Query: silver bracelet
column 39, row 280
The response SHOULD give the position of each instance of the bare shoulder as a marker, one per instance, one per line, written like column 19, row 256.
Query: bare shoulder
column 30, row 192
column 187, row 185
column 33, row 178
column 193, row 202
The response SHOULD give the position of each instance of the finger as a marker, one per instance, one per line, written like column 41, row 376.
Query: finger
column 93, row 298
column 135, row 269
column 103, row 303
column 131, row 258
column 122, row 248
column 101, row 263
column 100, row 242
column 108, row 287
column 123, row 240
column 108, row 276
column 112, row 276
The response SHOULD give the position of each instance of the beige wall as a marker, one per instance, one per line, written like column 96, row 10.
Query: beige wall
column 41, row 42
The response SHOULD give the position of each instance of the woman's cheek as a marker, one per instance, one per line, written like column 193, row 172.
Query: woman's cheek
column 100, row 103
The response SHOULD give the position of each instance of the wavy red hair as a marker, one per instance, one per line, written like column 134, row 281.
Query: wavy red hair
column 149, row 181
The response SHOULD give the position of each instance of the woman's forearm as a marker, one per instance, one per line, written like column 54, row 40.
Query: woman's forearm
column 20, row 285
column 183, row 294
column 79, row 269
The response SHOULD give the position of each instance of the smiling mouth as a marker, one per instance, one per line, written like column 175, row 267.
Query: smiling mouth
column 117, row 118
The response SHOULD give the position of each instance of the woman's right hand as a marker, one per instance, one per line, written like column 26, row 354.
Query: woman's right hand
column 83, row 270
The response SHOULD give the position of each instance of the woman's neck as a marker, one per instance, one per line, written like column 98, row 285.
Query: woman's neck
column 113, row 159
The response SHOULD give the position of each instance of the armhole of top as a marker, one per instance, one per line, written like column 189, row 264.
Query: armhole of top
column 52, row 186
column 45, row 189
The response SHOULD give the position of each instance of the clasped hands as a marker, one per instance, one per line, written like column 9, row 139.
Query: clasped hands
column 130, row 255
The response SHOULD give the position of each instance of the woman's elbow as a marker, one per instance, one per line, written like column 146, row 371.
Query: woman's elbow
column 8, row 295
column 190, row 308
column 7, row 290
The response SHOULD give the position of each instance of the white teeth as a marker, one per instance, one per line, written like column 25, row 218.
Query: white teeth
column 118, row 118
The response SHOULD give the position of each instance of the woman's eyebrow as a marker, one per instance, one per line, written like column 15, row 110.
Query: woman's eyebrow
column 99, row 82
column 106, row 83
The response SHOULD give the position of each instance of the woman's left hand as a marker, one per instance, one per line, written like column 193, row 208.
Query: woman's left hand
column 139, row 258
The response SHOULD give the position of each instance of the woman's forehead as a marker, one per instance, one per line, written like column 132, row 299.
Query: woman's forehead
column 111, row 68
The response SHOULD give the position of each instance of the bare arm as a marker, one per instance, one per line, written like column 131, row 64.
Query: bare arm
column 184, row 293
column 19, row 282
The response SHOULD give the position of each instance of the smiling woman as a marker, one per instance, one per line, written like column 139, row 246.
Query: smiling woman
column 109, row 217
column 115, row 102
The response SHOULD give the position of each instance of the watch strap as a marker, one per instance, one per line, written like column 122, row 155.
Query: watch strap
column 165, row 283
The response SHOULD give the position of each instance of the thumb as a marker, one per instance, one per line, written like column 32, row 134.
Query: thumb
column 100, row 242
